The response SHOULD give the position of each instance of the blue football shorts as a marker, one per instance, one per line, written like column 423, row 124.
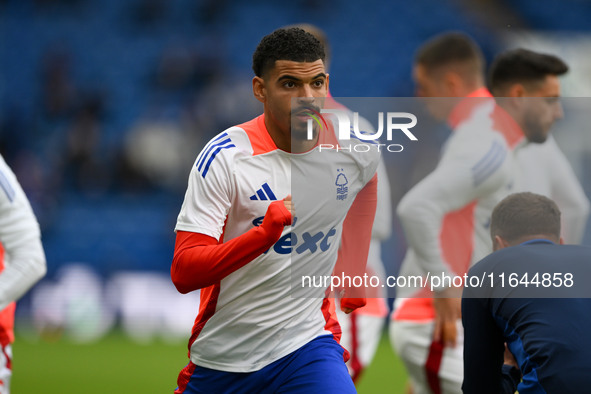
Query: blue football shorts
column 317, row 367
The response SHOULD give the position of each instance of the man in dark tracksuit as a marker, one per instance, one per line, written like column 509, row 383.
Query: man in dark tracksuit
column 535, row 297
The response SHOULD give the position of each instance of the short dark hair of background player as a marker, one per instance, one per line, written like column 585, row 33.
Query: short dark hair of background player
column 524, row 215
column 449, row 48
column 523, row 66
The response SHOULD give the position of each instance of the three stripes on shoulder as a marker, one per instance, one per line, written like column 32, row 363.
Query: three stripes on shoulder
column 211, row 150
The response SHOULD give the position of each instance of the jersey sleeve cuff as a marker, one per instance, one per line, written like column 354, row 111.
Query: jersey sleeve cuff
column 197, row 229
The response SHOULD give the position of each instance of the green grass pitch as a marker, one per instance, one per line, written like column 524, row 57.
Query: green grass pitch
column 117, row 365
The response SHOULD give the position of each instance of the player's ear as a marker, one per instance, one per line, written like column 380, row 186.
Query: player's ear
column 258, row 89
column 515, row 94
column 453, row 83
column 516, row 90
column 561, row 241
column 499, row 243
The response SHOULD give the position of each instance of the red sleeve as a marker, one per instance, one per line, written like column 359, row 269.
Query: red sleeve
column 356, row 237
column 200, row 261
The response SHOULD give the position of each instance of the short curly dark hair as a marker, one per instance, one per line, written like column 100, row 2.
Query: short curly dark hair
column 523, row 66
column 292, row 43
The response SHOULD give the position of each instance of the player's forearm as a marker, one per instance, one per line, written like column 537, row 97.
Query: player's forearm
column 200, row 261
column 202, row 264
column 26, row 266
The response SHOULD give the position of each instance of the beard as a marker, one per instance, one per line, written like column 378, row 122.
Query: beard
column 534, row 130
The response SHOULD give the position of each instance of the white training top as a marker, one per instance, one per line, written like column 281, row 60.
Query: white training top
column 545, row 170
column 446, row 216
column 260, row 313
column 24, row 259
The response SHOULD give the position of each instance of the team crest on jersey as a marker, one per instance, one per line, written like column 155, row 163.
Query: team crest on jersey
column 341, row 183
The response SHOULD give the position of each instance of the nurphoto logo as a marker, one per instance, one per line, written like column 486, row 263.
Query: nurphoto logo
column 346, row 132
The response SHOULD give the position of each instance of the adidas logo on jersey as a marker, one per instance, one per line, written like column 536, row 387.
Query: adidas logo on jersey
column 264, row 193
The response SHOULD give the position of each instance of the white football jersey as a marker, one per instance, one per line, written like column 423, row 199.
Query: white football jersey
column 22, row 262
column 260, row 312
column 446, row 216
column 543, row 169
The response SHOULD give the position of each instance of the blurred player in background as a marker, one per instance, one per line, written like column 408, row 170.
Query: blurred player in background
column 543, row 168
column 22, row 261
column 362, row 328
column 234, row 239
column 548, row 336
column 445, row 216
column 461, row 235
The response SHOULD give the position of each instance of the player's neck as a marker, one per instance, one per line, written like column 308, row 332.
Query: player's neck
column 284, row 141
column 505, row 104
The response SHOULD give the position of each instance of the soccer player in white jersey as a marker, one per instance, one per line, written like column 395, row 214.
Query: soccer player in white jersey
column 22, row 261
column 446, row 221
column 246, row 242
column 526, row 84
column 445, row 216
